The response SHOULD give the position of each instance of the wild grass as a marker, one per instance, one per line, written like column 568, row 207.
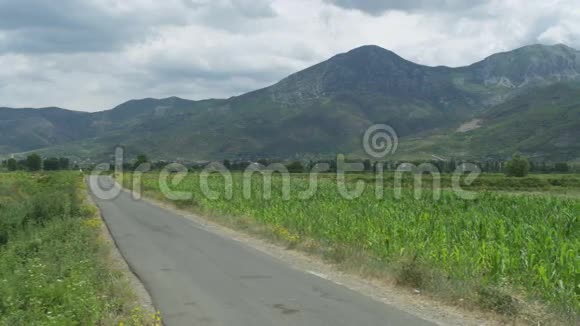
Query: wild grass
column 499, row 251
column 54, row 267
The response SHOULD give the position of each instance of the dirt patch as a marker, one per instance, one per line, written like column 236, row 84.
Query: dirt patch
column 471, row 125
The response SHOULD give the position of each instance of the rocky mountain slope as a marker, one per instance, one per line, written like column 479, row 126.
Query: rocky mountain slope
column 325, row 109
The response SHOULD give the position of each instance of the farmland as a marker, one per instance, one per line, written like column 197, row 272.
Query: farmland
column 54, row 264
column 499, row 251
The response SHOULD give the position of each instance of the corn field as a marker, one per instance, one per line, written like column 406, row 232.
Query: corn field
column 527, row 244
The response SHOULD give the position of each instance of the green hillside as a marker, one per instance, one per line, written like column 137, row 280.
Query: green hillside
column 325, row 109
column 543, row 124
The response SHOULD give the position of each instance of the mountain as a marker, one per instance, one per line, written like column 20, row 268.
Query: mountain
column 530, row 65
column 324, row 110
column 29, row 129
column 543, row 123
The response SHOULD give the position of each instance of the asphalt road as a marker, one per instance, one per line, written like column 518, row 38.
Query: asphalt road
column 197, row 277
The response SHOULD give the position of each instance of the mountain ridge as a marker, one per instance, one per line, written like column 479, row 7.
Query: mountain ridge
column 363, row 47
column 321, row 109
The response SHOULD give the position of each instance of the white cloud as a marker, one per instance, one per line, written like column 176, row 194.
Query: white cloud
column 94, row 54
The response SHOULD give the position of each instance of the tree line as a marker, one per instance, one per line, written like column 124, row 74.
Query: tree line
column 35, row 162
column 517, row 166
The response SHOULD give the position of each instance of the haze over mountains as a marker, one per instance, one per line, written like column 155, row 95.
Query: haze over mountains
column 524, row 100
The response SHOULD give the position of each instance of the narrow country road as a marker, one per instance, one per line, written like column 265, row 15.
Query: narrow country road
column 197, row 277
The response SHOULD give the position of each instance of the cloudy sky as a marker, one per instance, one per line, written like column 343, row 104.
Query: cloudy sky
column 91, row 55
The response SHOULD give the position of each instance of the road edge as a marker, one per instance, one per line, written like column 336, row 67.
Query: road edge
column 142, row 295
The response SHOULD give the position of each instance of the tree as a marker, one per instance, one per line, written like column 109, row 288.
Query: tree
column 11, row 164
column 518, row 166
column 452, row 165
column 34, row 162
column 141, row 159
column 533, row 166
column 295, row 167
column 51, row 164
column 368, row 166
column 63, row 163
column 544, row 167
column 561, row 167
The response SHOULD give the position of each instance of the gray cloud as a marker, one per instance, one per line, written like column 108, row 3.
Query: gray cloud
column 94, row 54
column 378, row 7
column 63, row 26
column 234, row 16
column 47, row 26
column 245, row 8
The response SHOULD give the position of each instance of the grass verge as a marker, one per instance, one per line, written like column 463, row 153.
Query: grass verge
column 55, row 265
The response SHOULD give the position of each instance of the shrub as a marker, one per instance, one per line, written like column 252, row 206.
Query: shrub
column 518, row 166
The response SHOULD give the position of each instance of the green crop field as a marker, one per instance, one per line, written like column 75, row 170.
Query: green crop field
column 54, row 266
column 499, row 251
